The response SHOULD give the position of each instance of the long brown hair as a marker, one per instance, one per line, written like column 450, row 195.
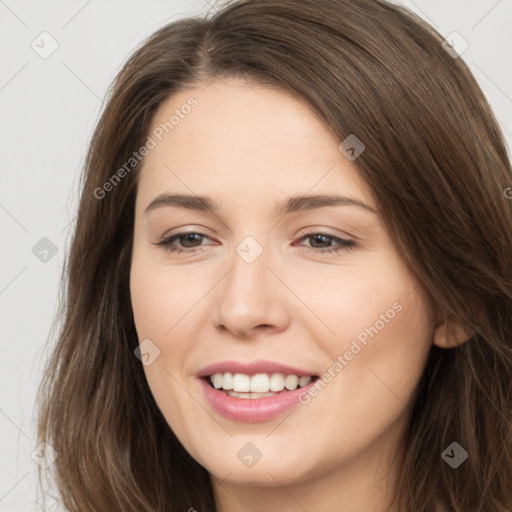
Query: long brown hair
column 438, row 166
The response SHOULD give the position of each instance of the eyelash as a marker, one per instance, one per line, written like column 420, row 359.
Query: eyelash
column 343, row 244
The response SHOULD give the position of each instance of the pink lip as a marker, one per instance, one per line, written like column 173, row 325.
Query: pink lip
column 252, row 368
column 252, row 409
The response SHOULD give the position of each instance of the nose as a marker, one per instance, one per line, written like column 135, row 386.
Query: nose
column 252, row 298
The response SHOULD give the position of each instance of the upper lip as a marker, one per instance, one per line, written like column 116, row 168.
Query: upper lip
column 252, row 368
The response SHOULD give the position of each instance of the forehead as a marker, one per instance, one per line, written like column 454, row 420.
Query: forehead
column 248, row 139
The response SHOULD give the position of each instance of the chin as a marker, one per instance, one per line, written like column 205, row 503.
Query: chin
column 264, row 475
column 269, row 471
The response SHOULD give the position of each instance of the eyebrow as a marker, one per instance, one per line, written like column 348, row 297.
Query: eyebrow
column 289, row 205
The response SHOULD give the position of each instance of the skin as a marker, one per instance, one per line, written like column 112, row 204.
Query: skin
column 248, row 147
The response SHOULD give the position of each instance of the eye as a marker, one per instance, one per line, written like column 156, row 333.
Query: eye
column 188, row 237
column 340, row 244
column 189, row 242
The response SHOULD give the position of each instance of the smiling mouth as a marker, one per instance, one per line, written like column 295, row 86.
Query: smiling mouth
column 261, row 385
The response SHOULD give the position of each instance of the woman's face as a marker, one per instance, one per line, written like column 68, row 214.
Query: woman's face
column 301, row 283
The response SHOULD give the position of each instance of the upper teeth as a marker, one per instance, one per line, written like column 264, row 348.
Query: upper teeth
column 259, row 383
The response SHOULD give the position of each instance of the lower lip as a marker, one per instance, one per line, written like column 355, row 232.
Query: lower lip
column 252, row 409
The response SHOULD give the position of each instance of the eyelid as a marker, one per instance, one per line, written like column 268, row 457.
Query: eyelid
column 313, row 230
column 200, row 230
column 303, row 232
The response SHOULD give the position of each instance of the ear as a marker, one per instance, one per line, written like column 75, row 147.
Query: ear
column 450, row 334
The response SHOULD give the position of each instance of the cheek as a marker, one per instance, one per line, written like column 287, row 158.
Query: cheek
column 372, row 384
column 349, row 299
column 399, row 341
column 381, row 319
column 161, row 297
column 384, row 357
column 163, row 301
column 159, row 313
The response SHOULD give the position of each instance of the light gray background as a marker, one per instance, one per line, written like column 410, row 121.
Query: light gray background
column 48, row 109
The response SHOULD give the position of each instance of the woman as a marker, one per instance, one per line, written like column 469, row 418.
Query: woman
column 289, row 286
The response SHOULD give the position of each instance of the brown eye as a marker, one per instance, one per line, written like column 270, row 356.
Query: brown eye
column 325, row 240
column 187, row 242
